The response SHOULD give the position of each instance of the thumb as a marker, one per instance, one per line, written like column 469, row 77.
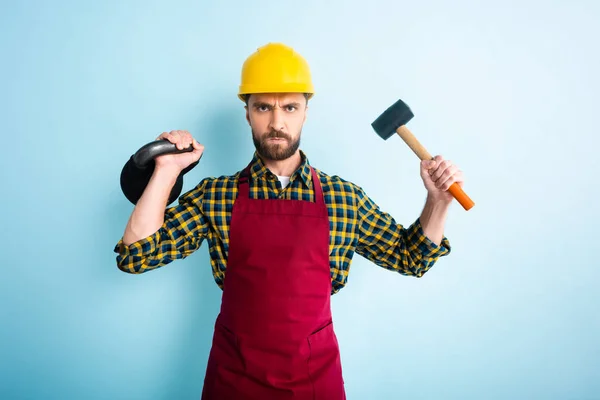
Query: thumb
column 197, row 146
column 428, row 163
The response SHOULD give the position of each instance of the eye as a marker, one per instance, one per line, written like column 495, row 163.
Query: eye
column 291, row 108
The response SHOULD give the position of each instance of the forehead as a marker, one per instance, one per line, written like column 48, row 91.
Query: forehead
column 277, row 98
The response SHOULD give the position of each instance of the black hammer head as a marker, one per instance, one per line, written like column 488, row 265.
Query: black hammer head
column 394, row 117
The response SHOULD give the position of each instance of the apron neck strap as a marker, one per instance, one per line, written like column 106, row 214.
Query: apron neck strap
column 317, row 188
column 243, row 183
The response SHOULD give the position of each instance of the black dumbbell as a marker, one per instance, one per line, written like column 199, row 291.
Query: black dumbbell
column 138, row 170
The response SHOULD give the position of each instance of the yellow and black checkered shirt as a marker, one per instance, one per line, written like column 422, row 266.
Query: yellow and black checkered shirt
column 357, row 225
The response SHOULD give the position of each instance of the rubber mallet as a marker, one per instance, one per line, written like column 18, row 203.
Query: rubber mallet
column 394, row 120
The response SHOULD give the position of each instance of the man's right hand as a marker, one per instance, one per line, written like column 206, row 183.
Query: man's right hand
column 178, row 162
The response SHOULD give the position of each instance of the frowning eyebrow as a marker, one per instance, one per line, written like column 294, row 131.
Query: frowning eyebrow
column 260, row 104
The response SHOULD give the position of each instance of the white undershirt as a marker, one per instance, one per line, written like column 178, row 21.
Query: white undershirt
column 285, row 180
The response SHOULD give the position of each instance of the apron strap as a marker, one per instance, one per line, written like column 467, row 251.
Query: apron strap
column 319, row 199
column 243, row 183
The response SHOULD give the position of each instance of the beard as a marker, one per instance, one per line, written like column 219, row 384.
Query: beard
column 275, row 151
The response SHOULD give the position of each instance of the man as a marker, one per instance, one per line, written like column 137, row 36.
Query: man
column 281, row 236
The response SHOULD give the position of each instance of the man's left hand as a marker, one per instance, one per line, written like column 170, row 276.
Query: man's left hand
column 438, row 175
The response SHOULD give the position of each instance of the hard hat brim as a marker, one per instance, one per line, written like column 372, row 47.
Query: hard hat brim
column 245, row 90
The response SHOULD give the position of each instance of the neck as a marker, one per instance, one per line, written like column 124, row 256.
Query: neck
column 284, row 167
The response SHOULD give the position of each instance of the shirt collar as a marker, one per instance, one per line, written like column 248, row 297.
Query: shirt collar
column 258, row 169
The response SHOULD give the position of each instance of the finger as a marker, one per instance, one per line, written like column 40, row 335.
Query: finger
column 441, row 169
column 427, row 166
column 162, row 136
column 430, row 164
column 434, row 162
column 188, row 139
column 451, row 176
column 180, row 139
column 168, row 136
column 448, row 172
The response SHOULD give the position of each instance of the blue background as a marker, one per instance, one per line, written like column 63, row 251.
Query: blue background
column 506, row 90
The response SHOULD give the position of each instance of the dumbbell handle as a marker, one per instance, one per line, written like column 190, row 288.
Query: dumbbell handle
column 423, row 154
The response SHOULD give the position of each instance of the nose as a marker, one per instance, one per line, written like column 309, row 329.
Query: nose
column 277, row 119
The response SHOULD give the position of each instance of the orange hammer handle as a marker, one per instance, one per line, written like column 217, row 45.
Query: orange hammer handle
column 423, row 154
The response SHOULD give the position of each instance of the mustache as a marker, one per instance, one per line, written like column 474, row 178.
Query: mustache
column 276, row 134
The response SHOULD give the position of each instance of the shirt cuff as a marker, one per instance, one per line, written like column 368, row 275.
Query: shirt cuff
column 141, row 248
column 425, row 245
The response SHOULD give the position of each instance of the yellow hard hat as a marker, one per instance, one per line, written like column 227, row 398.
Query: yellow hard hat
column 275, row 68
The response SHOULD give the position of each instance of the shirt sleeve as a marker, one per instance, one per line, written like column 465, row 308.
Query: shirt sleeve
column 406, row 250
column 184, row 228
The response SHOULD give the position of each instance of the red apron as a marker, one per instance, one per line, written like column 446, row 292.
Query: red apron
column 274, row 336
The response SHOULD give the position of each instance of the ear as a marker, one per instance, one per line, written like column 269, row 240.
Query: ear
column 247, row 115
